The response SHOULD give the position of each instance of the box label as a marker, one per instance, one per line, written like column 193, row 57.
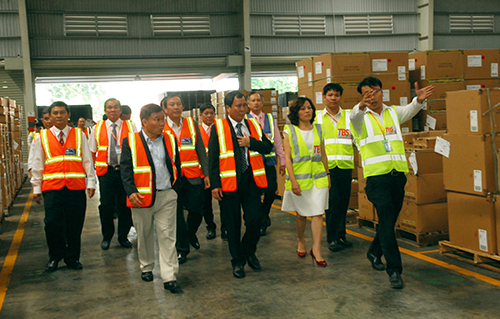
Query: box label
column 273, row 100
column 474, row 61
column 319, row 97
column 474, row 87
column 328, row 74
column 411, row 64
column 300, row 71
column 274, row 107
column 442, row 147
column 309, row 77
column 474, row 127
column 424, row 105
column 422, row 72
column 318, row 67
column 273, row 93
column 386, row 95
column 483, row 239
column 403, row 100
column 405, row 130
column 401, row 73
column 379, row 65
column 413, row 163
column 431, row 122
column 494, row 69
column 478, row 181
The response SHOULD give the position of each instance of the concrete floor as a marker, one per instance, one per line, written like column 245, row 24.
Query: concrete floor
column 109, row 286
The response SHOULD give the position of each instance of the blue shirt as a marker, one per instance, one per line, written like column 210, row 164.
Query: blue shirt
column 157, row 150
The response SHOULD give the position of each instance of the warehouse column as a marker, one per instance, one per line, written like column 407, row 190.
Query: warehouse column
column 425, row 10
column 245, row 72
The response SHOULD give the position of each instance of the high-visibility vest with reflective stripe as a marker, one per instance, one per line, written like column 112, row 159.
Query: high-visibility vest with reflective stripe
column 270, row 159
column 101, row 136
column 143, row 173
column 338, row 140
column 227, row 164
column 87, row 131
column 204, row 136
column 190, row 164
column 374, row 157
column 63, row 164
column 307, row 168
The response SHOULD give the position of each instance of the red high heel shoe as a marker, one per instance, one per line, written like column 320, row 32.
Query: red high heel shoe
column 301, row 254
column 319, row 263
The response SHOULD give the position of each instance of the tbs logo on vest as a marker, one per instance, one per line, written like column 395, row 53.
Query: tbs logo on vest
column 390, row 130
column 342, row 132
column 317, row 149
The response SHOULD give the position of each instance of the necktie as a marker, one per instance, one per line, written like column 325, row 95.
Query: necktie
column 244, row 164
column 113, row 159
column 61, row 138
column 209, row 130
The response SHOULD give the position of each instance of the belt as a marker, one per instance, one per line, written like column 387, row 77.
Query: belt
column 394, row 172
column 162, row 190
column 115, row 168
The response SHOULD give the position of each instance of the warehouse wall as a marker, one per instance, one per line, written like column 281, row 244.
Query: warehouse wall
column 10, row 37
column 446, row 39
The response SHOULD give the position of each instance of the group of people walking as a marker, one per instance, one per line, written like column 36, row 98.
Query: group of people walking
column 149, row 177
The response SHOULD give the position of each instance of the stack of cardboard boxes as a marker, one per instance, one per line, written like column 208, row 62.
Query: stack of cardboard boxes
column 471, row 170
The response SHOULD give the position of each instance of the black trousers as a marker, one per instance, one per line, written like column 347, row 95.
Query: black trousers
column 64, row 218
column 208, row 212
column 247, row 196
column 189, row 198
column 113, row 199
column 387, row 192
column 269, row 194
column 338, row 203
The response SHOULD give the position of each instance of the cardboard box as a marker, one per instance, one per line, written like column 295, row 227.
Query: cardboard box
column 437, row 101
column 361, row 179
column 438, row 64
column 435, row 120
column 427, row 162
column 270, row 96
column 280, row 181
column 425, row 189
column 470, row 168
column 350, row 67
column 365, row 207
column 471, row 221
column 478, row 84
column 424, row 218
column 307, row 90
column 270, row 108
column 322, row 65
column 350, row 96
column 395, row 92
column 497, row 221
column 390, row 63
column 466, row 109
column 318, row 94
column 481, row 64
column 304, row 70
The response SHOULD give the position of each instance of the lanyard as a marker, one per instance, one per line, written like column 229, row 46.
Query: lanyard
column 113, row 134
column 332, row 117
column 379, row 124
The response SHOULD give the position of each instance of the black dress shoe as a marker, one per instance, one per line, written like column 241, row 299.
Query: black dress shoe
column 239, row 271
column 75, row 265
column 172, row 286
column 396, row 281
column 125, row 243
column 335, row 246
column 105, row 244
column 223, row 235
column 147, row 276
column 211, row 234
column 253, row 262
column 181, row 258
column 263, row 230
column 376, row 262
column 52, row 265
column 344, row 242
column 194, row 242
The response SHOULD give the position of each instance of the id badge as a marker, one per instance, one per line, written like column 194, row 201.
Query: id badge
column 387, row 146
column 118, row 150
column 186, row 141
column 70, row 151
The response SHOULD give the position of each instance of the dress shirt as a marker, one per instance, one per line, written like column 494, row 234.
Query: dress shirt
column 38, row 161
column 157, row 151
column 244, row 129
column 404, row 113
column 119, row 123
column 278, row 142
column 206, row 127
column 177, row 129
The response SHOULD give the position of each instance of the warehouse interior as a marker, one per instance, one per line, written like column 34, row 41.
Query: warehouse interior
column 449, row 227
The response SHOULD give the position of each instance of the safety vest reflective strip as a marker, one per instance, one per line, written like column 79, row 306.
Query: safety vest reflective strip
column 375, row 159
column 138, row 169
column 101, row 161
column 307, row 169
column 204, row 137
column 340, row 152
column 270, row 121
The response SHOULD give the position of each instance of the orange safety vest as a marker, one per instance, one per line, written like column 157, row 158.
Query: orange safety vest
column 227, row 164
column 63, row 164
column 101, row 136
column 143, row 174
column 190, row 163
column 204, row 136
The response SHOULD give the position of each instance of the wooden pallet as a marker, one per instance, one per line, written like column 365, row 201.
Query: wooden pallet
column 367, row 223
column 480, row 259
column 422, row 239
column 352, row 215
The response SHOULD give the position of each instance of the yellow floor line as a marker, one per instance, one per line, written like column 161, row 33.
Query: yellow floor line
column 10, row 260
column 2, row 236
column 421, row 256
column 429, row 251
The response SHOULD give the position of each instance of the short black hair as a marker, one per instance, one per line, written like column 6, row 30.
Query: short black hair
column 293, row 113
column 149, row 109
column 229, row 98
column 126, row 110
column 255, row 92
column 205, row 106
column 45, row 111
column 111, row 99
column 39, row 125
column 333, row 86
column 58, row 104
column 163, row 102
column 369, row 81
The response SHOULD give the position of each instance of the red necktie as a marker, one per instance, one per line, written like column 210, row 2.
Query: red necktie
column 209, row 129
column 61, row 138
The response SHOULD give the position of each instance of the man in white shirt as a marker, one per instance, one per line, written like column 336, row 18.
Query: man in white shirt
column 62, row 168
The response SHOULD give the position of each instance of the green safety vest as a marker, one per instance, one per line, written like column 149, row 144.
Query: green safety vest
column 338, row 140
column 307, row 168
column 374, row 157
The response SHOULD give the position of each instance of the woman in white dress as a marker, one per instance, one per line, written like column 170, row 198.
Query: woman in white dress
column 307, row 180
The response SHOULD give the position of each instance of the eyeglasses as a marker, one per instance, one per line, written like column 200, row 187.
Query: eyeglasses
column 376, row 91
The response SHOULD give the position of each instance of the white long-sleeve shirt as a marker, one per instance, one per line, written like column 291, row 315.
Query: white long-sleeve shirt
column 119, row 123
column 38, row 161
